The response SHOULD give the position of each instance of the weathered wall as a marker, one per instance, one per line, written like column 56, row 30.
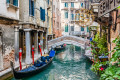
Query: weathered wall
column 9, row 12
column 7, row 45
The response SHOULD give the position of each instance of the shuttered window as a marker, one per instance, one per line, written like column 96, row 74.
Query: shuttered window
column 66, row 28
column 82, row 28
column 8, row 1
column 72, row 4
column 72, row 16
column 14, row 2
column 66, row 5
column 42, row 14
column 82, row 5
column 48, row 2
column 87, row 29
column 66, row 14
column 31, row 7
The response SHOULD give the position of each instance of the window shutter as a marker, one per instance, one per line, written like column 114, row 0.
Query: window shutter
column 72, row 4
column 15, row 2
column 81, row 4
column 87, row 29
column 66, row 14
column 43, row 14
column 40, row 13
column 30, row 10
column 65, row 4
column 8, row 1
column 82, row 29
column 67, row 28
column 48, row 2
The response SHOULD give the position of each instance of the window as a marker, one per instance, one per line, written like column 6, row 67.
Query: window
column 77, row 16
column 31, row 7
column 87, row 29
column 48, row 2
column 66, row 28
column 82, row 28
column 72, row 28
column 72, row 4
column 66, row 14
column 42, row 14
column 66, row 5
column 13, row 2
column 82, row 5
column 72, row 16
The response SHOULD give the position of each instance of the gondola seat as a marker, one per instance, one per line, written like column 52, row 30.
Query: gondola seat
column 28, row 69
column 48, row 58
column 38, row 64
column 43, row 58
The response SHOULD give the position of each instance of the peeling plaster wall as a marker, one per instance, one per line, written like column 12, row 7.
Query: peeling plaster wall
column 8, row 46
column 8, row 39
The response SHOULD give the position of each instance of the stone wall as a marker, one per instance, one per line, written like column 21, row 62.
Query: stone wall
column 7, row 45
column 7, row 58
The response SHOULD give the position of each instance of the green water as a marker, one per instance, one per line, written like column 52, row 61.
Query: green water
column 69, row 64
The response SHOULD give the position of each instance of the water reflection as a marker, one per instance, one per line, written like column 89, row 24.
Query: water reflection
column 69, row 64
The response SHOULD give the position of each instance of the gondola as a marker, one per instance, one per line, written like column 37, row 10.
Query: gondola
column 61, row 47
column 32, row 70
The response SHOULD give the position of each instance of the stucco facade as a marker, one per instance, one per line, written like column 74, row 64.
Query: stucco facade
column 56, row 19
column 23, row 24
column 69, row 7
column 50, row 18
column 9, row 17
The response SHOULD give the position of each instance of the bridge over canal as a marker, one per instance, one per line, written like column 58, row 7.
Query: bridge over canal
column 77, row 41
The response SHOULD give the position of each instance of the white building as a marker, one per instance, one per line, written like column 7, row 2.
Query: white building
column 68, row 8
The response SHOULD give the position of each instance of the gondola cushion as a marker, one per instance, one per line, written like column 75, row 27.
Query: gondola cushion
column 28, row 69
column 52, row 53
column 43, row 58
column 47, row 57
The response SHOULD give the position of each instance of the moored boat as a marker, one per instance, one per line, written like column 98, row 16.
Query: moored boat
column 61, row 47
column 34, row 69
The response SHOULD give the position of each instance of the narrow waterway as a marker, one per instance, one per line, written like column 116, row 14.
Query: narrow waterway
column 69, row 64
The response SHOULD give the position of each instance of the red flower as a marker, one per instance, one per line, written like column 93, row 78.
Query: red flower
column 101, row 68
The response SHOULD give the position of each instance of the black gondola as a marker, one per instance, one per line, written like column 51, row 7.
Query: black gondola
column 61, row 47
column 31, row 70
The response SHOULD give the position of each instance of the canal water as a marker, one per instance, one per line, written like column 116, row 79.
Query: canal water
column 69, row 64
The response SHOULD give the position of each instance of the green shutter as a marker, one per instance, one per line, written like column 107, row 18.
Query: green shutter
column 66, row 14
column 72, row 4
column 66, row 4
column 7, row 1
column 82, row 28
column 66, row 28
column 15, row 2
column 87, row 29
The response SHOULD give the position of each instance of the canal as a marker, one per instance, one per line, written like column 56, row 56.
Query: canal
column 69, row 64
